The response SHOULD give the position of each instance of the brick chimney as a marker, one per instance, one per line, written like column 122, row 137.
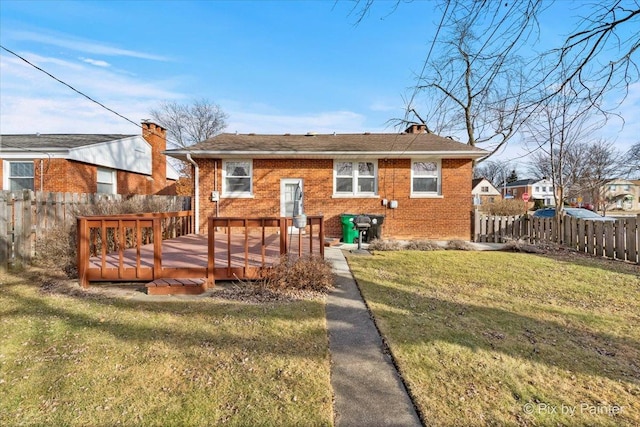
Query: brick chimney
column 156, row 136
column 416, row 128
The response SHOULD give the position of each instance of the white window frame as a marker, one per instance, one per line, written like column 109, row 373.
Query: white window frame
column 6, row 167
column 437, row 175
column 237, row 194
column 355, row 176
column 114, row 180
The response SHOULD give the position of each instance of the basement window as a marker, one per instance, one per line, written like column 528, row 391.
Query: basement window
column 237, row 178
column 20, row 176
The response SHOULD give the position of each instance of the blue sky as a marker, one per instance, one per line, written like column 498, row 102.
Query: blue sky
column 274, row 67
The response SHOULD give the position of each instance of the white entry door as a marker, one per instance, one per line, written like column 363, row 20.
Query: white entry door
column 289, row 189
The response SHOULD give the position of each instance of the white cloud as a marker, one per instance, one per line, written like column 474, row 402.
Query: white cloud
column 31, row 101
column 80, row 45
column 96, row 62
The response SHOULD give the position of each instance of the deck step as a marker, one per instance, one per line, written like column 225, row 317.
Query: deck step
column 328, row 241
column 176, row 287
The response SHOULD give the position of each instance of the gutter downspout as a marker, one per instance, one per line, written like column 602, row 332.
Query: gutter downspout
column 196, row 192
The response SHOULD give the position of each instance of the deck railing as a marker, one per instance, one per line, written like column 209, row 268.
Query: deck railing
column 130, row 247
column 259, row 233
column 105, row 240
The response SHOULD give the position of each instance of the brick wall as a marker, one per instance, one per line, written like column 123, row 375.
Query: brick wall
column 156, row 136
column 448, row 217
column 61, row 175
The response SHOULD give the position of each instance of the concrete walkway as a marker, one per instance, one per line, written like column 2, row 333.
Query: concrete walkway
column 367, row 388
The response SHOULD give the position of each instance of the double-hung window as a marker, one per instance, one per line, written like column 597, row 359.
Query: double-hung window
column 355, row 178
column 21, row 176
column 237, row 178
column 106, row 181
column 425, row 178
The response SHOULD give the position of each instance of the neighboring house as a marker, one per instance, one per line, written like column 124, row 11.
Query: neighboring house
column 420, row 182
column 621, row 194
column 93, row 163
column 484, row 192
column 537, row 189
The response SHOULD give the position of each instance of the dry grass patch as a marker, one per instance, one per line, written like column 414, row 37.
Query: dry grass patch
column 494, row 338
column 84, row 358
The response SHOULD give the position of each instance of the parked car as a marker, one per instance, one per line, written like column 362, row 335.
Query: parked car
column 579, row 213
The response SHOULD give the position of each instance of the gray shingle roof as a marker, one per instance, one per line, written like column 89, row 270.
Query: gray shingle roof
column 319, row 143
column 41, row 141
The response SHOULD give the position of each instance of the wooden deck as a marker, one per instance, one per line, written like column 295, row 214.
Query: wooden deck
column 125, row 248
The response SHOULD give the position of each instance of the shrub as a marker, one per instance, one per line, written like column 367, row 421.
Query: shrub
column 308, row 273
column 423, row 245
column 57, row 247
column 57, row 250
column 384, row 245
column 459, row 245
column 506, row 207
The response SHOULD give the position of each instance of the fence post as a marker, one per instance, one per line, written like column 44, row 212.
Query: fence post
column 4, row 238
column 632, row 239
column 157, row 247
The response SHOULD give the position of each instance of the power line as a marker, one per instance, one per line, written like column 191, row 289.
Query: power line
column 79, row 92
column 70, row 87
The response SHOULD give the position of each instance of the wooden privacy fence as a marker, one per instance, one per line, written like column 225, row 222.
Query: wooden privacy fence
column 148, row 247
column 26, row 216
column 618, row 239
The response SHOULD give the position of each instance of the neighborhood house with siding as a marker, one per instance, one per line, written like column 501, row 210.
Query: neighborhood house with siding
column 88, row 163
column 419, row 181
column 484, row 192
column 537, row 189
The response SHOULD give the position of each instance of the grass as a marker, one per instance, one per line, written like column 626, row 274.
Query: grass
column 495, row 338
column 91, row 359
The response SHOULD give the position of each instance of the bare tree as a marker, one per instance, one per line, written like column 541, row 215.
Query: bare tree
column 478, row 87
column 601, row 53
column 603, row 163
column 496, row 172
column 558, row 134
column 631, row 161
column 191, row 123
column 485, row 83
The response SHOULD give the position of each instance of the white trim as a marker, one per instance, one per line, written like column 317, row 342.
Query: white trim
column 283, row 183
column 427, row 194
column 242, row 194
column 6, row 171
column 347, row 155
column 354, row 177
column 356, row 196
column 114, row 179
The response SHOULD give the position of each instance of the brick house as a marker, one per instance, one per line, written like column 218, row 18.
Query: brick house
column 88, row 163
column 537, row 189
column 420, row 182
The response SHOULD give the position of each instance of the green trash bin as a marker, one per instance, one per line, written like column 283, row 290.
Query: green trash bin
column 349, row 234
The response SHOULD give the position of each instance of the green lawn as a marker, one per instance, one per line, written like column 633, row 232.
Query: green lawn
column 496, row 338
column 99, row 360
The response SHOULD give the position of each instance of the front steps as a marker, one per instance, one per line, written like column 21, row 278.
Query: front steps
column 176, row 287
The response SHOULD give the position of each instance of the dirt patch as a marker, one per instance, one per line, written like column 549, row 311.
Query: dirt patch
column 253, row 293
